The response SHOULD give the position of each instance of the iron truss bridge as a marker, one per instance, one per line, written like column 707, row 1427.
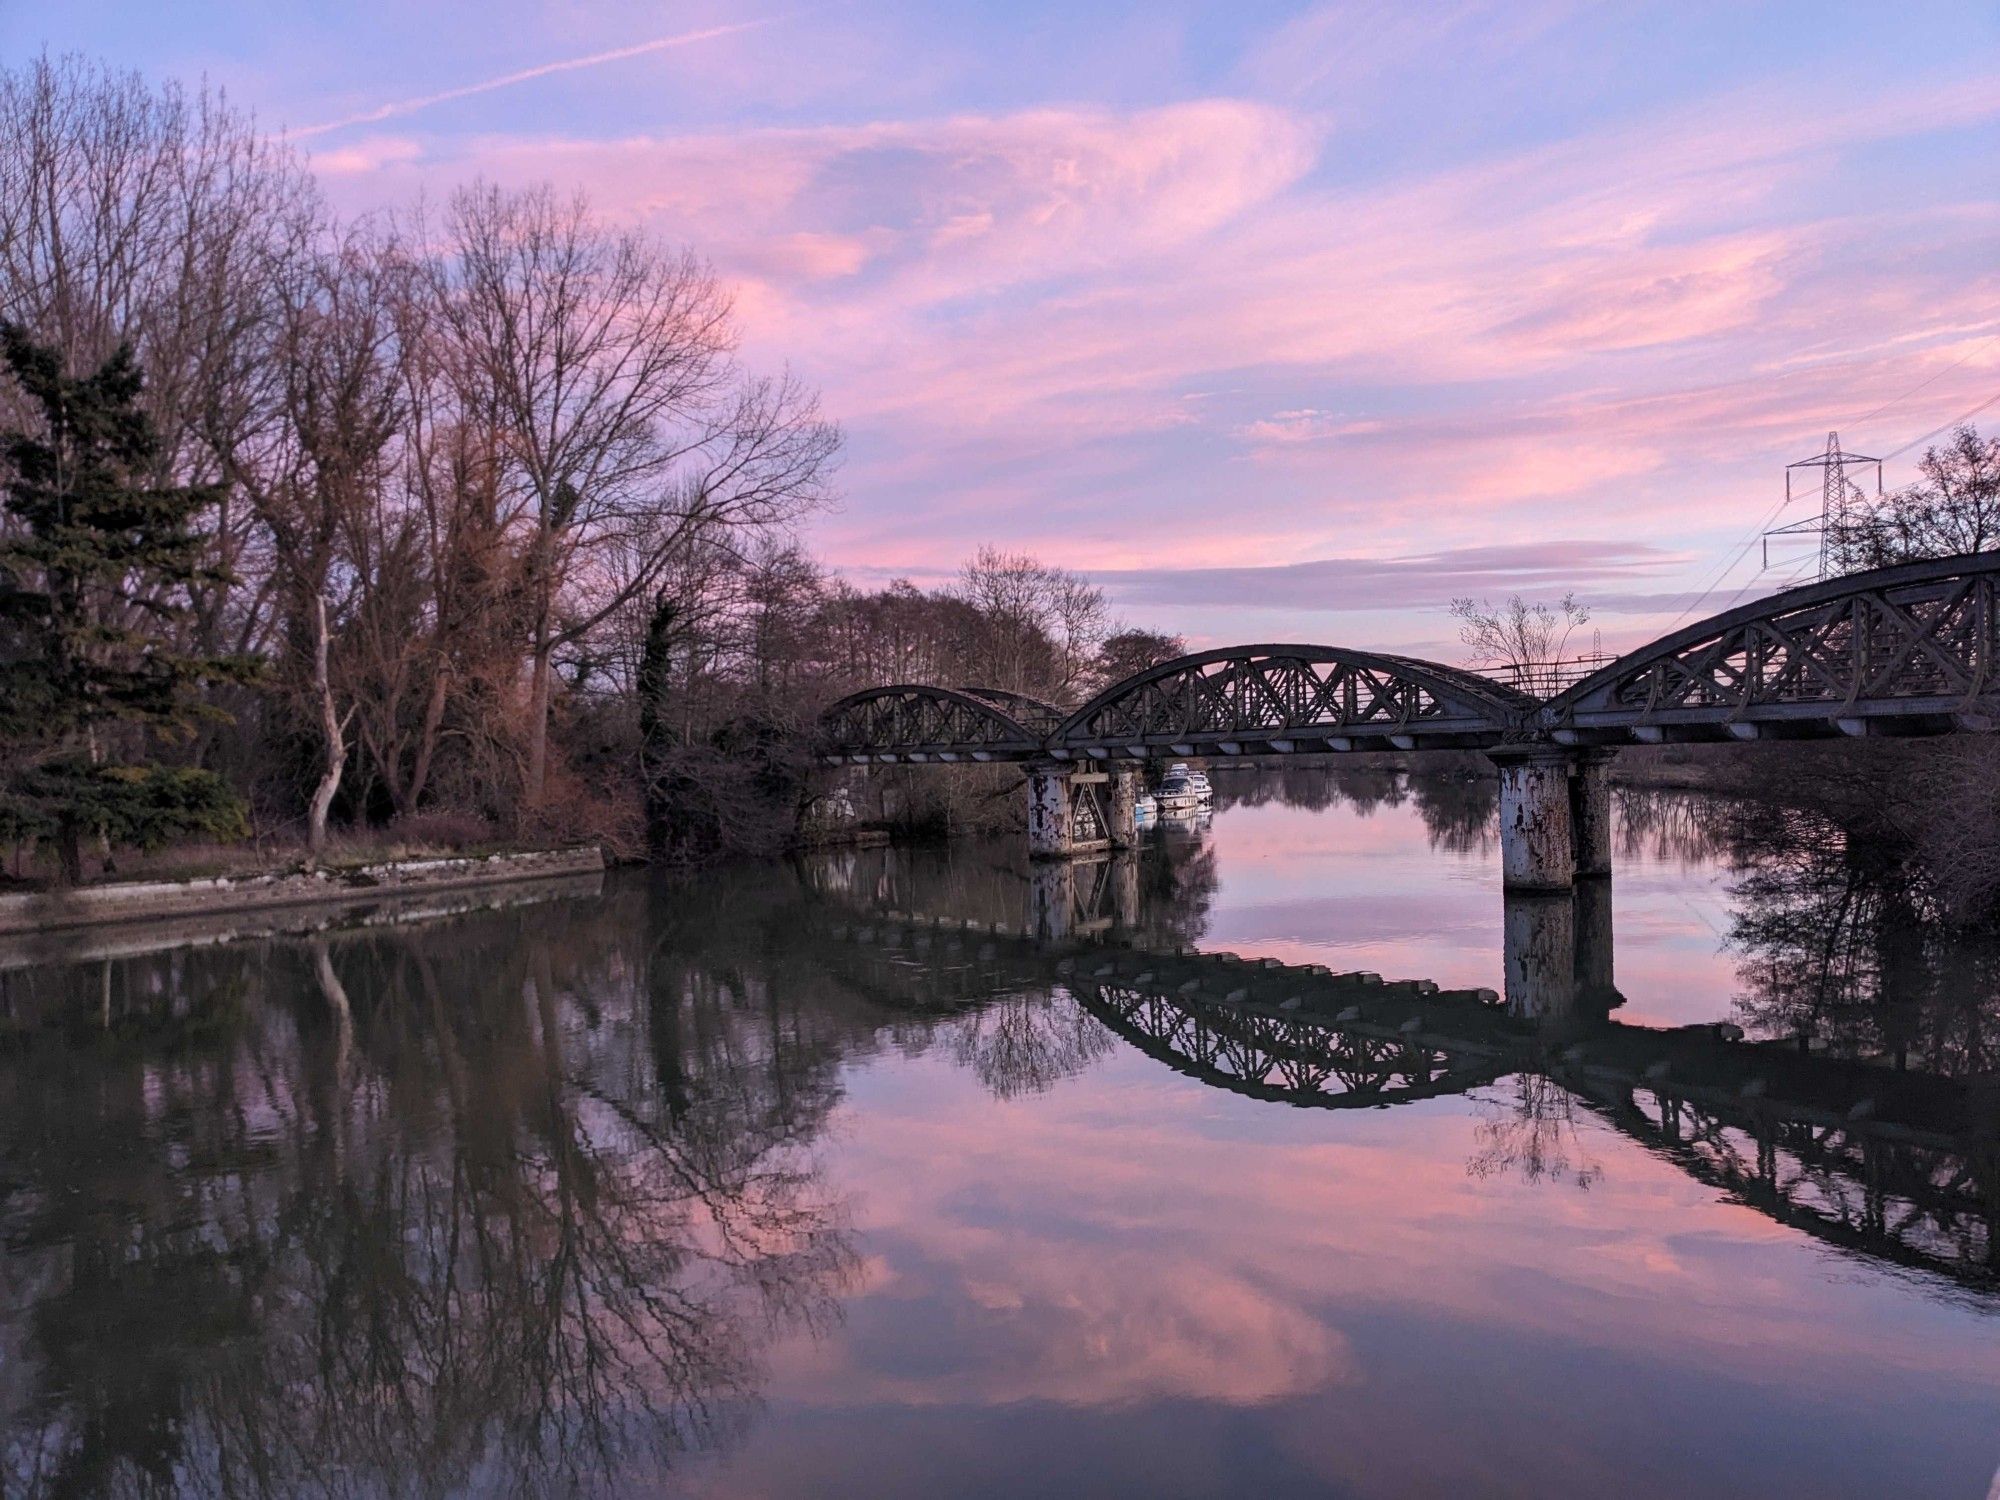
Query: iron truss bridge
column 1909, row 650
column 1897, row 1166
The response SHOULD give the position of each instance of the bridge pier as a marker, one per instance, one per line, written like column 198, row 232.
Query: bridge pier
column 1073, row 810
column 1555, row 816
column 1590, row 811
column 1537, row 833
column 1048, row 811
column 1122, row 815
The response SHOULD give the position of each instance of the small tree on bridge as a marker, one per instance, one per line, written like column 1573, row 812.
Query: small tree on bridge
column 1525, row 642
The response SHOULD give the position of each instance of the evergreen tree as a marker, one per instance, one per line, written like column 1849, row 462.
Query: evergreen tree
column 96, row 565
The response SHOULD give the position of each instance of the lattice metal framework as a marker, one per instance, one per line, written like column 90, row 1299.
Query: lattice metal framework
column 1909, row 649
column 1916, row 1195
column 1279, row 1058
column 1918, row 1203
column 1289, row 698
column 915, row 722
column 1905, row 650
column 1030, row 713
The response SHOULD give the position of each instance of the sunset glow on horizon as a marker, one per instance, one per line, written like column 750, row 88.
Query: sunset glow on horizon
column 1283, row 322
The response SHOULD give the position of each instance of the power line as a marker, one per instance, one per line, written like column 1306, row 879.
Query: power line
column 1758, row 531
column 1935, row 375
column 1954, row 422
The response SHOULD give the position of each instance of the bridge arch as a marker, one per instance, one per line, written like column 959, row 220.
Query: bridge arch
column 1030, row 713
column 917, row 722
column 1251, row 699
column 1909, row 649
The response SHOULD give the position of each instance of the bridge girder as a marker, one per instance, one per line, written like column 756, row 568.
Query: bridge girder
column 915, row 721
column 1908, row 650
column 1903, row 650
column 1284, row 698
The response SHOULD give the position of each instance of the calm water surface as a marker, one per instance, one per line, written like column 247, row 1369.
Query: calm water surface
column 784, row 1184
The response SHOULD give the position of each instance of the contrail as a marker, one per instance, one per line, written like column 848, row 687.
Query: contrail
column 508, row 80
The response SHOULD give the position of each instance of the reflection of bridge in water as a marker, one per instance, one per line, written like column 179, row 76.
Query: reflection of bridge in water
column 1900, row 1166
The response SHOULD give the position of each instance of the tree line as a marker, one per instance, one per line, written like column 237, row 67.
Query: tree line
column 465, row 517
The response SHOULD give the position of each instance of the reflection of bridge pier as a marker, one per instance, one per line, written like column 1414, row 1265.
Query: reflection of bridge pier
column 1558, row 955
column 1082, row 897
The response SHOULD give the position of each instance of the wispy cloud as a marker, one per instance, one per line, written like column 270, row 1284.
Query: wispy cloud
column 1342, row 584
column 401, row 107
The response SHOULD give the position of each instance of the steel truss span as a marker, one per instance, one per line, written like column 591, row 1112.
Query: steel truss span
column 1282, row 699
column 914, row 722
column 1905, row 650
column 1908, row 650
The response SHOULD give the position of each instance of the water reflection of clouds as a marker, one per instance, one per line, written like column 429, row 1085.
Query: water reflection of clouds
column 1140, row 1246
column 1370, row 885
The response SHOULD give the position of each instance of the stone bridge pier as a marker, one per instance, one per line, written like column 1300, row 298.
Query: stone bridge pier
column 1555, row 816
column 1078, row 810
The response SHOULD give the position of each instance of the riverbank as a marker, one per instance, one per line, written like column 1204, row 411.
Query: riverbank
column 121, row 902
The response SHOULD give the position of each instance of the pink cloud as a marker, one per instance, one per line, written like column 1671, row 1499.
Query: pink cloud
column 1621, row 333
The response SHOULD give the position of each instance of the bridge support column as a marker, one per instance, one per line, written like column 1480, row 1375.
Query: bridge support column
column 1537, row 838
column 1124, row 810
column 1052, row 901
column 1049, row 834
column 1590, row 811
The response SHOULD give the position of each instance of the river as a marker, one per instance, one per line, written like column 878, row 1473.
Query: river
column 833, row 1179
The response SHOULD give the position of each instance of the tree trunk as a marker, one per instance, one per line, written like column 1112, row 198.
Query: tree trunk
column 538, row 713
column 69, row 850
column 656, row 735
column 427, row 739
column 335, row 733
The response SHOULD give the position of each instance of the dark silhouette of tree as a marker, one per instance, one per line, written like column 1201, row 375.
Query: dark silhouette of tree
column 1953, row 507
column 94, row 578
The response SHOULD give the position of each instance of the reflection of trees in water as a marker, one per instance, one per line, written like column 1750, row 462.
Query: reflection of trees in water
column 1533, row 1134
column 425, row 1215
column 1460, row 806
column 1687, row 829
column 987, row 881
column 1178, row 879
column 1026, row 1042
column 1836, row 947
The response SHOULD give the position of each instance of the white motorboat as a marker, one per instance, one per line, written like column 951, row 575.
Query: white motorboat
column 1182, row 790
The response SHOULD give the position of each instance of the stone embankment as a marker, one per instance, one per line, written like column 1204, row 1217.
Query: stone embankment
column 50, row 912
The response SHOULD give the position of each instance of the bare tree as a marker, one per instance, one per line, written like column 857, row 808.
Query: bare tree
column 143, row 215
column 1953, row 507
column 1523, row 641
column 1128, row 652
column 1041, row 626
column 624, row 423
column 324, row 459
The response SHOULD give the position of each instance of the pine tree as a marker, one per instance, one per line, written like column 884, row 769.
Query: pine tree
column 96, row 566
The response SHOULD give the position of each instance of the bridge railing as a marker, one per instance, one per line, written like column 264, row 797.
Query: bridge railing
column 1544, row 679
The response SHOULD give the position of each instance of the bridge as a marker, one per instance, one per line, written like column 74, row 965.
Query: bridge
column 1906, row 651
column 1898, row 1166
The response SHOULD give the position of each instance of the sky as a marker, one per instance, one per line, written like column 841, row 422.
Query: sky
column 1283, row 322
